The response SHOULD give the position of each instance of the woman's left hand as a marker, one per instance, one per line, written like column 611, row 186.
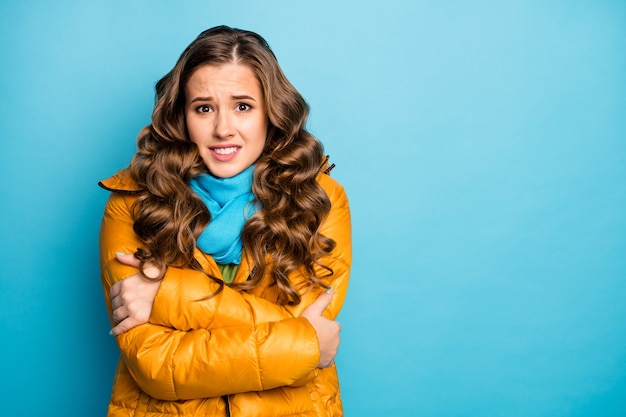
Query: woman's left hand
column 132, row 297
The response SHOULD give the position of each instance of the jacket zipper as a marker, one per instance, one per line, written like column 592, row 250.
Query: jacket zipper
column 227, row 405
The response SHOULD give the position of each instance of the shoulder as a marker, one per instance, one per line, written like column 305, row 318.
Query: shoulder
column 333, row 189
column 121, row 182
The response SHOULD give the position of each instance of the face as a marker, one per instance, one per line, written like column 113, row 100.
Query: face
column 226, row 117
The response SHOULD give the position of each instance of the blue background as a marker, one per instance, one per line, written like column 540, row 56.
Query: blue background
column 482, row 145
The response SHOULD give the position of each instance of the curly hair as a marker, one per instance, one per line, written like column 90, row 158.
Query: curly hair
column 280, row 238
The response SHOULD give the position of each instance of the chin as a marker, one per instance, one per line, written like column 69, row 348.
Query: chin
column 225, row 172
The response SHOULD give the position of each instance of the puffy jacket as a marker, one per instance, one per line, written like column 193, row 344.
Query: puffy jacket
column 236, row 354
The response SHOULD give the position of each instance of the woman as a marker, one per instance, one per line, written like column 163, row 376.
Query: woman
column 225, row 246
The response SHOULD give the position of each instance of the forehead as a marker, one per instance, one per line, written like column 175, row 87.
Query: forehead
column 223, row 78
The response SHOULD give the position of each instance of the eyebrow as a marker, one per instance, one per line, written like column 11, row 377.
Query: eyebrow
column 241, row 97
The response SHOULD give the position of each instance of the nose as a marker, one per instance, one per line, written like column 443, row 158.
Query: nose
column 223, row 125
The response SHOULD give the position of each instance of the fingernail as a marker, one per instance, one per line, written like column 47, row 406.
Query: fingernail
column 329, row 290
column 120, row 253
column 111, row 332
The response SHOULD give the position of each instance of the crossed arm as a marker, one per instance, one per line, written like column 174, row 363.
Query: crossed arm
column 132, row 299
column 179, row 348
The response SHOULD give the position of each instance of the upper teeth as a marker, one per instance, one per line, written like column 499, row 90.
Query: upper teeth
column 225, row 151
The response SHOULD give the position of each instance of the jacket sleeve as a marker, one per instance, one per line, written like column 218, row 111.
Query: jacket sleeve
column 230, row 343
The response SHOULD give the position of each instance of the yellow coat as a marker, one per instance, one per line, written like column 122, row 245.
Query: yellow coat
column 237, row 354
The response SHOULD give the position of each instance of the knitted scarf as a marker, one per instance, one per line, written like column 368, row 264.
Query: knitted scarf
column 228, row 201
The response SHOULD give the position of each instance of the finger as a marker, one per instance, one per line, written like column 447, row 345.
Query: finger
column 127, row 259
column 329, row 364
column 123, row 327
column 319, row 305
column 115, row 289
column 116, row 302
column 119, row 315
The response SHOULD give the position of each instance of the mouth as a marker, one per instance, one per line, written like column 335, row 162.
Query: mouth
column 224, row 153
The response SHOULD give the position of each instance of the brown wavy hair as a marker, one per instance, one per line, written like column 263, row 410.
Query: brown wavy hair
column 281, row 237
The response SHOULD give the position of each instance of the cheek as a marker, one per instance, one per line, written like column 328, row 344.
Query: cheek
column 263, row 131
column 260, row 142
column 193, row 131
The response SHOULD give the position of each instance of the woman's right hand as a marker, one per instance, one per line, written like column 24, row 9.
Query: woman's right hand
column 132, row 297
column 327, row 330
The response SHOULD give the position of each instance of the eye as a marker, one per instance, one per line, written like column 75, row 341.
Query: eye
column 203, row 109
column 243, row 107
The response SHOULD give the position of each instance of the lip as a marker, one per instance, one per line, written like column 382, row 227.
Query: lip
column 224, row 157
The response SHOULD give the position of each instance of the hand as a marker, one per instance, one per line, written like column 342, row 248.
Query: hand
column 327, row 330
column 132, row 297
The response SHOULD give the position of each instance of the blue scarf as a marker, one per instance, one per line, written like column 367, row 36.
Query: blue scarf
column 228, row 201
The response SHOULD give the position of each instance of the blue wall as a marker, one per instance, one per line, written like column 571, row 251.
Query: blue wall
column 483, row 147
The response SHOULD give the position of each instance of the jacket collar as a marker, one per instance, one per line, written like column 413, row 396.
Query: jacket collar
column 121, row 182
